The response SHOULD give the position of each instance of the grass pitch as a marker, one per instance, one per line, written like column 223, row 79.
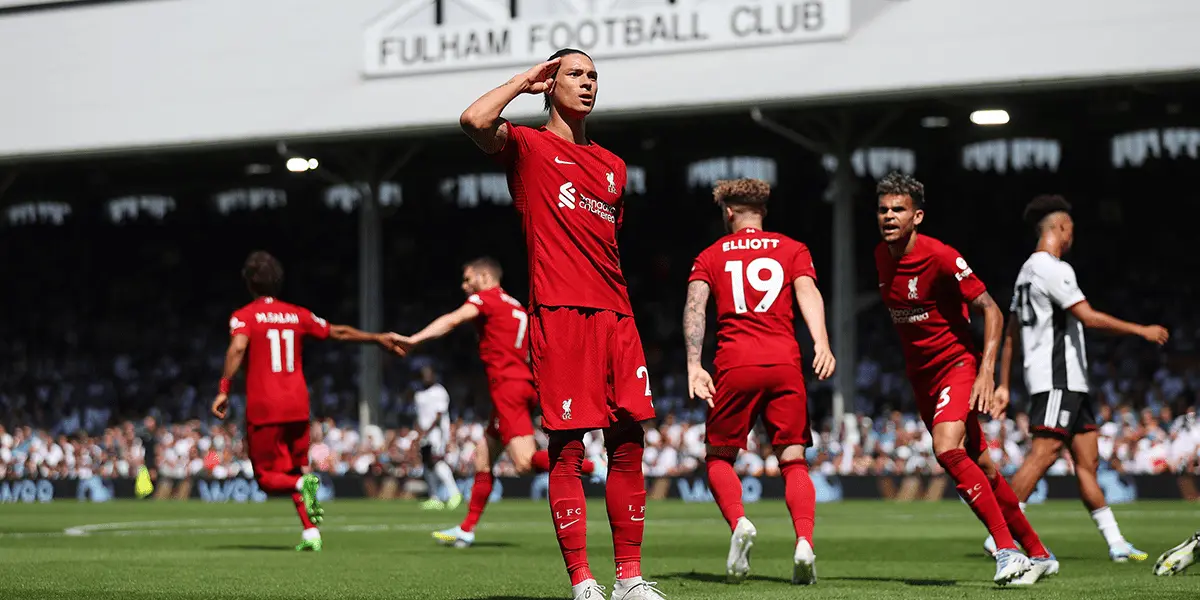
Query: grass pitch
column 130, row 550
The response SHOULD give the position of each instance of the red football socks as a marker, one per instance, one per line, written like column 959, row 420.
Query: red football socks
column 568, row 507
column 800, row 496
column 625, row 496
column 1018, row 525
column 480, row 492
column 275, row 483
column 726, row 488
column 975, row 488
column 541, row 463
column 298, row 500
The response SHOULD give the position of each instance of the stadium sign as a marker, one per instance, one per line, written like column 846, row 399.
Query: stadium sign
column 496, row 33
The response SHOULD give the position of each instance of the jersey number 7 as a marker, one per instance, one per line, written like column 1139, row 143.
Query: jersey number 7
column 770, row 287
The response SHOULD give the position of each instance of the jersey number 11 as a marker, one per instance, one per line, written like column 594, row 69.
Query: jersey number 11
column 289, row 343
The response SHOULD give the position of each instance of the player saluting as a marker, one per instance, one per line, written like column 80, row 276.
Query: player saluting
column 748, row 273
column 1048, row 313
column 277, row 413
column 928, row 289
column 503, row 327
column 588, row 365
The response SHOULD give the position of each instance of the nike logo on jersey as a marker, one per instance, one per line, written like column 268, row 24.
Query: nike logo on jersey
column 568, row 524
column 562, row 162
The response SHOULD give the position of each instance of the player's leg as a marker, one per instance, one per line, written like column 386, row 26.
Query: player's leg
column 946, row 406
column 565, row 348
column 1048, row 439
column 735, row 409
column 486, row 455
column 786, row 420
column 631, row 411
column 1085, row 451
column 308, row 507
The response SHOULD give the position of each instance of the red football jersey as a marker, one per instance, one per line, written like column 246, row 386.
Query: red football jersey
column 928, row 292
column 503, row 328
column 275, row 388
column 751, row 274
column 569, row 197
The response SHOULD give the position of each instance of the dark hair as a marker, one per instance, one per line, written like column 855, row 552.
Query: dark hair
column 1043, row 206
column 561, row 53
column 897, row 183
column 742, row 192
column 486, row 263
column 263, row 274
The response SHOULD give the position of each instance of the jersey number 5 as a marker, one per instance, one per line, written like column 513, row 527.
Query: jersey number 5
column 289, row 343
column 1025, row 306
column 770, row 287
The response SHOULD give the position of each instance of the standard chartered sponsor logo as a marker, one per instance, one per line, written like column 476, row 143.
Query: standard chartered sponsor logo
column 569, row 198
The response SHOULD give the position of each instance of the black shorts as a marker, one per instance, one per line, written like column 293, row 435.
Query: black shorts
column 1062, row 412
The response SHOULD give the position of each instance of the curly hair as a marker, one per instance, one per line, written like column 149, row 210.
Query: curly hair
column 263, row 274
column 1043, row 206
column 742, row 192
column 897, row 183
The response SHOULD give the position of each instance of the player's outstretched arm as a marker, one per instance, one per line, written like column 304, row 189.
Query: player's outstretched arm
column 700, row 383
column 481, row 121
column 1094, row 319
column 346, row 333
column 233, row 361
column 440, row 326
column 812, row 308
column 993, row 328
column 1000, row 398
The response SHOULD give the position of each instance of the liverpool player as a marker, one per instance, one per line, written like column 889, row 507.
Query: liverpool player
column 268, row 335
column 752, row 276
column 588, row 365
column 503, row 327
column 1049, row 313
column 929, row 291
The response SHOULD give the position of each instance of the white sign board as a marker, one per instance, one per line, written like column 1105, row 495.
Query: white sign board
column 392, row 46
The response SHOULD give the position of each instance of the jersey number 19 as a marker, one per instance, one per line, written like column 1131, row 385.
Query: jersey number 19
column 770, row 287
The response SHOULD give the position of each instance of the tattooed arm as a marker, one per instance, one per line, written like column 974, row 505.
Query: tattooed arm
column 700, row 383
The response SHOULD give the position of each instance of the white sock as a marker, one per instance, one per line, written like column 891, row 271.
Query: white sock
column 300, row 484
column 577, row 589
column 311, row 534
column 1022, row 505
column 446, row 476
column 1107, row 524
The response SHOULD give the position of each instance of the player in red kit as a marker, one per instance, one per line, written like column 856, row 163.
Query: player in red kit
column 267, row 335
column 503, row 327
column 588, row 365
column 929, row 290
column 752, row 276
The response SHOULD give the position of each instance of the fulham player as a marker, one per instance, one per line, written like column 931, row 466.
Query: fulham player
column 503, row 327
column 752, row 276
column 929, row 291
column 588, row 365
column 267, row 335
column 1048, row 314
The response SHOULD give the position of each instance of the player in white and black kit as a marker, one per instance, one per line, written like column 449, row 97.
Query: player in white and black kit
column 1049, row 313
column 433, row 425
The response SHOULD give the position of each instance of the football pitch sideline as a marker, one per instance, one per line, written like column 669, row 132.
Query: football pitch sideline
column 130, row 550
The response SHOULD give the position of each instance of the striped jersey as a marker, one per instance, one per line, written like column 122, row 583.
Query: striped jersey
column 1051, row 337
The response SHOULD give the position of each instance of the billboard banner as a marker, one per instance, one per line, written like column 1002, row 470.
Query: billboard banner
column 1118, row 489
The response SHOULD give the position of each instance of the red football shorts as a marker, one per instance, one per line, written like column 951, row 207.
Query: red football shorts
column 512, row 409
column 278, row 447
column 947, row 398
column 589, row 368
column 775, row 392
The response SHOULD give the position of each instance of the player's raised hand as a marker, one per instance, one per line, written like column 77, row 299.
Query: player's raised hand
column 823, row 362
column 982, row 392
column 220, row 406
column 538, row 79
column 999, row 402
column 700, row 384
column 394, row 343
column 1156, row 334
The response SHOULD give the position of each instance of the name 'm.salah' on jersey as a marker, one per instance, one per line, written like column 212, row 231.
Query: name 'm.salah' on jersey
column 1051, row 337
column 276, row 391
column 503, row 328
column 928, row 292
column 569, row 197
column 751, row 273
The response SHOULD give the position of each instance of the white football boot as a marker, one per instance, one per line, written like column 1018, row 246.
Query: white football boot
column 737, row 565
column 804, row 564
